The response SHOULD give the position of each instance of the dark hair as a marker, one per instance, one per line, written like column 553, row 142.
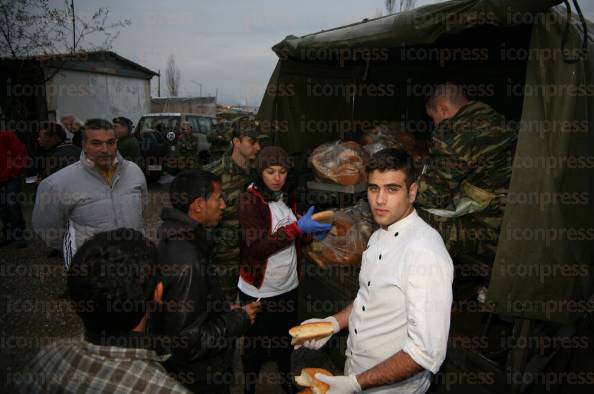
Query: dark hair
column 112, row 279
column 235, row 133
column 393, row 159
column 98, row 124
column 190, row 185
column 123, row 121
column 245, row 127
column 54, row 130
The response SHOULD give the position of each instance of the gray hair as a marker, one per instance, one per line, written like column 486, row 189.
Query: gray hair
column 74, row 117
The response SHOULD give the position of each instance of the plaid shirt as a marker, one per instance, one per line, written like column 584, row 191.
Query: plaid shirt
column 78, row 366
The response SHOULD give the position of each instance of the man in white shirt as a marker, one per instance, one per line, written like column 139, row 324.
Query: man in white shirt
column 399, row 321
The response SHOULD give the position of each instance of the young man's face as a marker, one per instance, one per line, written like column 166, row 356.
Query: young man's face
column 210, row 211
column 248, row 147
column 100, row 146
column 389, row 198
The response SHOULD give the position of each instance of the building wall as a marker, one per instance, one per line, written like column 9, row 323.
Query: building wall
column 93, row 95
column 198, row 106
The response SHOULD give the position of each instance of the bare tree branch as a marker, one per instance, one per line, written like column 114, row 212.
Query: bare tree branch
column 32, row 27
column 403, row 5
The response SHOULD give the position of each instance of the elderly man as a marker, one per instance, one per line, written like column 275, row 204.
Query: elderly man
column 234, row 169
column 100, row 192
column 399, row 321
column 73, row 128
column 463, row 189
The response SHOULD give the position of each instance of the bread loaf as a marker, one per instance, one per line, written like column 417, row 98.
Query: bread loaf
column 306, row 332
column 307, row 379
column 324, row 216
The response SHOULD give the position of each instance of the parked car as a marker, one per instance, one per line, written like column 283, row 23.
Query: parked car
column 158, row 134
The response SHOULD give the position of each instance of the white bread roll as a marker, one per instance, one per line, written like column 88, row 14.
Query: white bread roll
column 307, row 379
column 306, row 332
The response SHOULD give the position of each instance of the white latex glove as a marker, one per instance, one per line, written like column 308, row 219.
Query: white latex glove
column 316, row 344
column 340, row 384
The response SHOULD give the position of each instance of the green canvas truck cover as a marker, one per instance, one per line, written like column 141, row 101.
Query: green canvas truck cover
column 542, row 269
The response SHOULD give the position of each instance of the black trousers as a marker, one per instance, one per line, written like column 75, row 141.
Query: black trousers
column 268, row 339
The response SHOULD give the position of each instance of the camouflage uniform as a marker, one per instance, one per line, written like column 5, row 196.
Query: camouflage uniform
column 225, row 256
column 471, row 157
column 187, row 152
column 219, row 141
column 234, row 181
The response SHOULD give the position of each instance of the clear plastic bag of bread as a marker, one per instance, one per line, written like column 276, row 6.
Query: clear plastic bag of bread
column 341, row 162
column 347, row 239
column 394, row 136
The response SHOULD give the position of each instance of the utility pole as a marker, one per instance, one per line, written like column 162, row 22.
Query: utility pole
column 73, row 27
column 159, row 84
column 199, row 84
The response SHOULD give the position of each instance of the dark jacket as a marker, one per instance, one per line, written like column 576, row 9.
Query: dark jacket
column 61, row 156
column 129, row 148
column 194, row 315
column 77, row 138
column 257, row 242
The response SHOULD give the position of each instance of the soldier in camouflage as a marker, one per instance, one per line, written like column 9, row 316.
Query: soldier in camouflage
column 468, row 172
column 235, row 168
column 187, row 148
column 219, row 140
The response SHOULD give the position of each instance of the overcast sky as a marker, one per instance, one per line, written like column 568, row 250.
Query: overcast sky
column 225, row 44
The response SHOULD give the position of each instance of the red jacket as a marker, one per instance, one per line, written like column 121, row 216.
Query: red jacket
column 257, row 243
column 13, row 155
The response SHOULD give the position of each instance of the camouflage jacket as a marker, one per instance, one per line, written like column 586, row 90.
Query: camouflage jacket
column 187, row 145
column 234, row 181
column 473, row 147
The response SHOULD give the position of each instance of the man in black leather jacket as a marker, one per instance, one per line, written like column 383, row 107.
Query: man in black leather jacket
column 201, row 327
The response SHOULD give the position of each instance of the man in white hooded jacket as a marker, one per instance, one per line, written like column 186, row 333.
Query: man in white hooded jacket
column 100, row 192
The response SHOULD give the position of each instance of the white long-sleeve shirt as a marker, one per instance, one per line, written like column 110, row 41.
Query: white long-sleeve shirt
column 403, row 303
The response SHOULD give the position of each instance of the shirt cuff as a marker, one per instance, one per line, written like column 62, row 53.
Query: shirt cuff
column 420, row 357
column 293, row 230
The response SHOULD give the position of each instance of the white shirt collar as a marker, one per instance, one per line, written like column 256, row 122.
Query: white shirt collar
column 402, row 223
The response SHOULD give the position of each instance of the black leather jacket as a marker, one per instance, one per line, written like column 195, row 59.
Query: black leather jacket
column 201, row 327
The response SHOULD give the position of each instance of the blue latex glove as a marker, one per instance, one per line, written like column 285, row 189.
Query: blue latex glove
column 320, row 235
column 309, row 226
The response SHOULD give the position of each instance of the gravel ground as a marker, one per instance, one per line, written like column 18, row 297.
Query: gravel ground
column 33, row 310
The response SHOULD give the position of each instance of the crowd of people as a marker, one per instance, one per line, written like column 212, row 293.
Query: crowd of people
column 223, row 280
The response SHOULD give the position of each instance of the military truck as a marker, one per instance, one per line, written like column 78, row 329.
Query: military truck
column 533, row 61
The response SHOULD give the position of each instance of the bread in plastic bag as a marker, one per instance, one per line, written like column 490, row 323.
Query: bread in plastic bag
column 383, row 137
column 347, row 240
column 339, row 162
